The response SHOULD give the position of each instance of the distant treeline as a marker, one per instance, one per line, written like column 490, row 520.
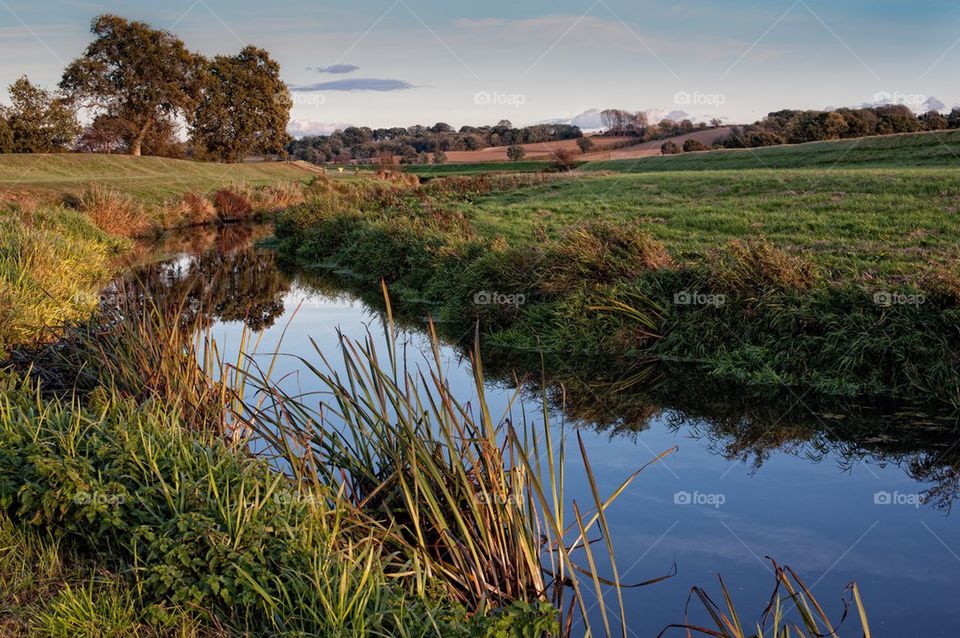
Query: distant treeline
column 415, row 144
column 797, row 127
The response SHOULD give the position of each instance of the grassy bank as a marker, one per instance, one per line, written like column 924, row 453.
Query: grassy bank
column 939, row 148
column 833, row 295
column 145, row 196
column 52, row 264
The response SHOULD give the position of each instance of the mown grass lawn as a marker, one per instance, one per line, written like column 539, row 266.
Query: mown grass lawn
column 852, row 222
column 151, row 180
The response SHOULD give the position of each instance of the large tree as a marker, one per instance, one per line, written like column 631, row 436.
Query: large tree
column 6, row 136
column 138, row 76
column 38, row 122
column 244, row 108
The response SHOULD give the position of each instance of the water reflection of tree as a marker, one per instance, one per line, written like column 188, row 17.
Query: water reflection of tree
column 228, row 280
column 746, row 427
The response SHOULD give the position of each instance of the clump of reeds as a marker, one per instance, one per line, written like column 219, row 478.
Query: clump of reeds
column 114, row 212
column 789, row 593
column 191, row 209
column 758, row 267
column 51, row 267
column 274, row 198
column 473, row 504
column 600, row 253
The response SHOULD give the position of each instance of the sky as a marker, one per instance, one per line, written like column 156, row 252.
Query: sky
column 383, row 63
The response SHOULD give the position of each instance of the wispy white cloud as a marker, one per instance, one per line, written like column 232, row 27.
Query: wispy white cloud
column 334, row 68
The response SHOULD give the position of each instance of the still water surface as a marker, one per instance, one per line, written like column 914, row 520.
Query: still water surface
column 838, row 493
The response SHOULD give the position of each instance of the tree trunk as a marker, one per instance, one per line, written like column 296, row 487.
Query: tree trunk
column 136, row 144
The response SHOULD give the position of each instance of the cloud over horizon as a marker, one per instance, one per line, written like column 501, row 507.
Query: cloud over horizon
column 357, row 84
column 334, row 68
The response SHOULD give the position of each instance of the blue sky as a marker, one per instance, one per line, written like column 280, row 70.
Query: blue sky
column 423, row 61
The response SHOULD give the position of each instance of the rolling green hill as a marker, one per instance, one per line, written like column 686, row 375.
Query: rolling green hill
column 940, row 148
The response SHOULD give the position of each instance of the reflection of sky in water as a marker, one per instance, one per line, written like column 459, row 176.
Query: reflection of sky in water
column 813, row 516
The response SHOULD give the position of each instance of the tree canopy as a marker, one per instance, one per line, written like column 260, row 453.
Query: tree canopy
column 36, row 121
column 244, row 108
column 138, row 76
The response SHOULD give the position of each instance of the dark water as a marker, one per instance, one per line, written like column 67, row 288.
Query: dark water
column 837, row 492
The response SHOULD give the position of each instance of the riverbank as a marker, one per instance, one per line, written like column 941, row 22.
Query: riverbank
column 565, row 265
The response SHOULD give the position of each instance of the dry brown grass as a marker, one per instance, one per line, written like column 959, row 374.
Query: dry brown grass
column 114, row 212
column 233, row 204
column 192, row 209
column 600, row 252
column 943, row 280
column 761, row 266
column 278, row 197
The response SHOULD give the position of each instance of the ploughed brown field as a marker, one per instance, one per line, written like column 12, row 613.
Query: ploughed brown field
column 601, row 151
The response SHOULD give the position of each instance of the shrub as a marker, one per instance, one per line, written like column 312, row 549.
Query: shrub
column 516, row 152
column 114, row 212
column 670, row 148
column 232, row 204
column 563, row 159
column 693, row 145
column 585, row 144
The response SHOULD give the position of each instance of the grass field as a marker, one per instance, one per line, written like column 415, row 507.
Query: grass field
column 151, row 180
column 440, row 170
column 941, row 148
column 852, row 222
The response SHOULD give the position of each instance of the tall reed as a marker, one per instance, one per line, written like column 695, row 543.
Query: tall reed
column 475, row 506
